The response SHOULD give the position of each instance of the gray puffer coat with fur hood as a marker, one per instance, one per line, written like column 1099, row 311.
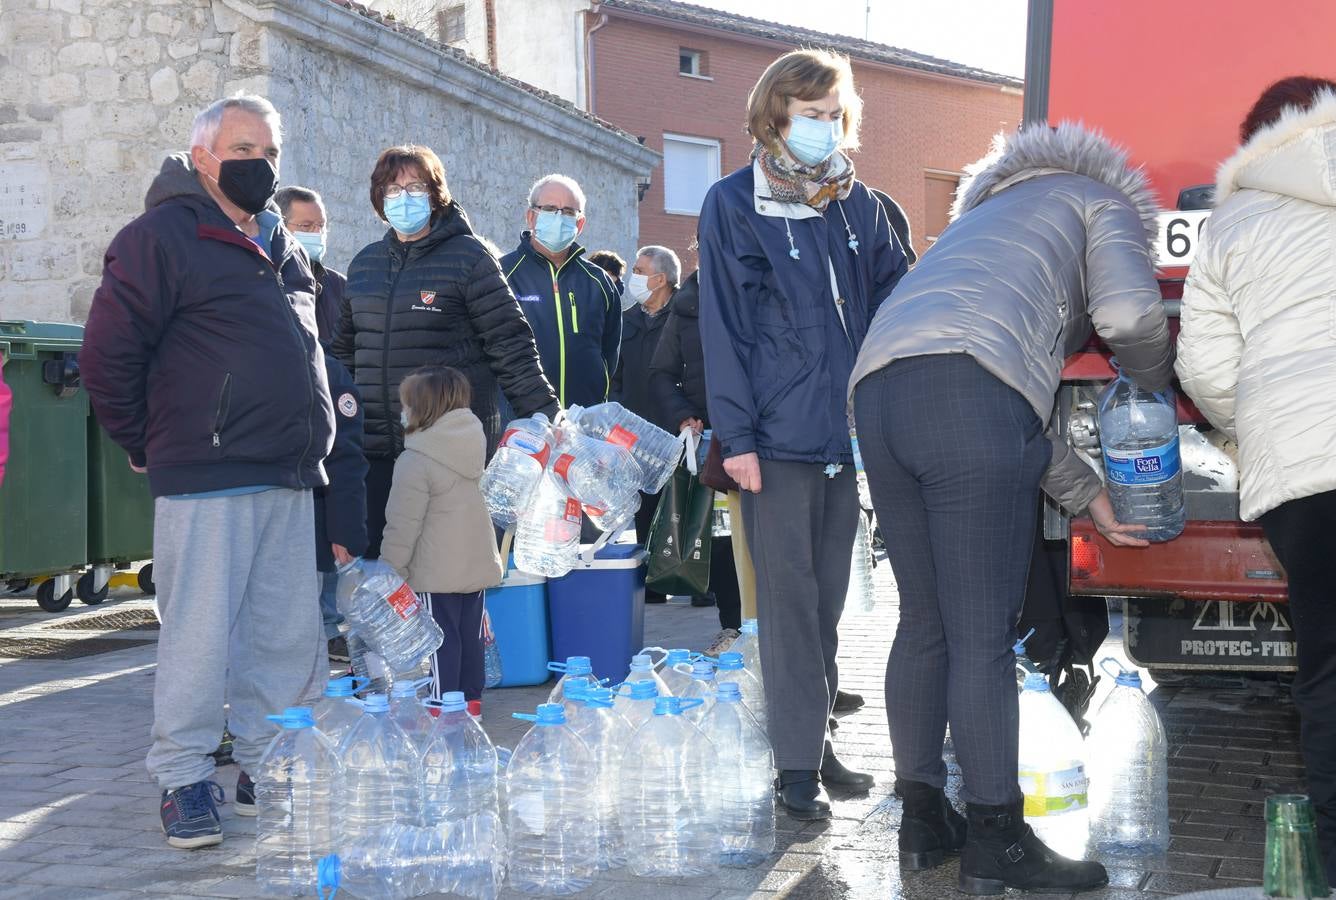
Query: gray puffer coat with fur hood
column 1051, row 234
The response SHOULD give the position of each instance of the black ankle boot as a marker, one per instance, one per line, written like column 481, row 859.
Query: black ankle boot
column 930, row 827
column 835, row 774
column 800, row 794
column 1002, row 852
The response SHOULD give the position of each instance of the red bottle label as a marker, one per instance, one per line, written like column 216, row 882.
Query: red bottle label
column 621, row 437
column 403, row 601
column 563, row 465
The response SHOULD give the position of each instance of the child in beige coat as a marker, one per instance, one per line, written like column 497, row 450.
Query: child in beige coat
column 437, row 531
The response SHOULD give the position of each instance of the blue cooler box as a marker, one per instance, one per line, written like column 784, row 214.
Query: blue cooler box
column 518, row 610
column 598, row 610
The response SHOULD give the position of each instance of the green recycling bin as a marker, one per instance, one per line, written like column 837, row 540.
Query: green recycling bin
column 44, row 497
column 120, row 517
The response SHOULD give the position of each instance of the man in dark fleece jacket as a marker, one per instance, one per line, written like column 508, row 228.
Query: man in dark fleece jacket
column 200, row 358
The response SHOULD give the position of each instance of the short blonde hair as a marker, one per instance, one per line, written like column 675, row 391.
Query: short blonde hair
column 430, row 392
column 802, row 75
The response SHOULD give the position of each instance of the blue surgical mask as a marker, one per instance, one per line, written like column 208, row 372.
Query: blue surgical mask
column 313, row 241
column 811, row 141
column 407, row 214
column 555, row 231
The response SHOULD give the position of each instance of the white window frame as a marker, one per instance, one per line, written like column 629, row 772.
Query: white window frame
column 714, row 174
column 696, row 57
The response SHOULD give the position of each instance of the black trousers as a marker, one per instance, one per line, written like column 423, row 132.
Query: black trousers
column 458, row 664
column 954, row 457
column 1303, row 534
column 379, row 476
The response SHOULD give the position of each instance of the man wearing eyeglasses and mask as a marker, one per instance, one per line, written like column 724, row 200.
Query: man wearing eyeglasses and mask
column 572, row 304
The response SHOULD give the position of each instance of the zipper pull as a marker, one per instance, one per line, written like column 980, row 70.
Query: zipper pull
column 216, row 441
column 575, row 313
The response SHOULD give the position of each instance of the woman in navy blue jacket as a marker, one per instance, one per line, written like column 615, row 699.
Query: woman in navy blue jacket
column 795, row 255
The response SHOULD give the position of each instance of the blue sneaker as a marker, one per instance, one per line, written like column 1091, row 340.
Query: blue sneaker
column 190, row 816
column 244, row 802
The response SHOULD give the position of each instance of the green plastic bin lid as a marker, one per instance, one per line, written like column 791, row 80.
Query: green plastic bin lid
column 20, row 338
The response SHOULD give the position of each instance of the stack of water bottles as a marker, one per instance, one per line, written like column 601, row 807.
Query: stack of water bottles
column 1110, row 791
column 669, row 774
column 545, row 477
column 379, row 799
column 391, row 634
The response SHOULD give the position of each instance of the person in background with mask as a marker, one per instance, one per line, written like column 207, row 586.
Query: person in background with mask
column 611, row 262
column 572, row 304
column 201, row 360
column 795, row 256
column 429, row 293
column 304, row 215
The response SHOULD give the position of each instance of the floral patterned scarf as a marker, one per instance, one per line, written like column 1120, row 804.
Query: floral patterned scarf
column 816, row 186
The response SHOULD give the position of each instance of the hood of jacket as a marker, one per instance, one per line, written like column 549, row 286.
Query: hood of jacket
column 455, row 440
column 1069, row 147
column 1295, row 156
column 179, row 179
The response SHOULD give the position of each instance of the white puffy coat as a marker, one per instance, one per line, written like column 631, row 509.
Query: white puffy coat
column 1257, row 349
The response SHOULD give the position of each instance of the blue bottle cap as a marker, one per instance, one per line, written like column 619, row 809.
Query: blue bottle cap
column 453, row 701
column 574, row 665
column 551, row 714
column 643, row 690
column 702, row 668
column 575, row 690
column 668, row 706
column 294, row 717
column 729, row 692
column 403, row 689
column 642, row 662
column 730, row 661
column 340, row 687
column 376, row 703
column 1128, row 679
column 1035, row 682
column 596, row 697
column 677, row 656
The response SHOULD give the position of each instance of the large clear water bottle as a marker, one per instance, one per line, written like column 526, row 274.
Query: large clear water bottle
column 860, row 474
column 294, row 824
column 862, row 595
column 459, row 765
column 602, row 476
column 1138, row 434
column 606, row 734
column 1052, row 771
column 749, row 645
column 731, row 669
column 465, row 857
column 702, row 688
column 642, row 669
column 386, row 614
column 667, row 808
column 552, row 824
column 335, row 714
column 654, row 449
column 1129, row 771
column 374, row 675
column 521, row 455
column 673, row 679
column 382, row 773
column 744, row 772
column 547, row 538
column 575, row 670
column 635, row 702
column 407, row 710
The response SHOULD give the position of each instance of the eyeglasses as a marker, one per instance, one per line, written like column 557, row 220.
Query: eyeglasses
column 564, row 210
column 416, row 189
column 313, row 227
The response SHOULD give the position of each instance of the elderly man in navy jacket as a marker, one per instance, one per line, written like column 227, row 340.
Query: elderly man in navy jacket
column 201, row 360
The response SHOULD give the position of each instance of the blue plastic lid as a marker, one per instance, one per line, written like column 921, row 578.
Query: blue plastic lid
column 596, row 695
column 643, row 690
column 578, row 665
column 453, row 701
column 340, row 687
column 1035, row 682
column 729, row 692
column 749, row 626
column 376, row 703
column 551, row 714
column 1128, row 679
column 668, row 706
column 702, row 668
column 575, row 689
column 294, row 717
column 642, row 662
column 677, row 656
column 730, row 661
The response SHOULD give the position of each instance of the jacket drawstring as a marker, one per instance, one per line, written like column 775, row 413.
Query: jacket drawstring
column 793, row 249
column 848, row 229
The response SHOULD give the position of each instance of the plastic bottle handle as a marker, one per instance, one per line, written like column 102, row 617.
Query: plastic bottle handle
column 684, row 668
column 527, row 717
column 685, row 703
column 1104, row 664
column 358, row 688
column 650, row 651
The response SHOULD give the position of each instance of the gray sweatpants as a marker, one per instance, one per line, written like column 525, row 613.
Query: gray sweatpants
column 237, row 585
column 800, row 529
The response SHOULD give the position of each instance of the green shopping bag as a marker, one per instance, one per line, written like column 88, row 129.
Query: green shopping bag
column 680, row 536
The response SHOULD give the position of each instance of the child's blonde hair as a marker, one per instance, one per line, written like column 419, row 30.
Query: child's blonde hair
column 430, row 392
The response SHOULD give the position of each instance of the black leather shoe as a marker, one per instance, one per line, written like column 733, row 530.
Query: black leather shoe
column 702, row 600
column 835, row 774
column 655, row 597
column 847, row 702
column 833, row 724
column 930, row 827
column 799, row 792
column 1002, row 852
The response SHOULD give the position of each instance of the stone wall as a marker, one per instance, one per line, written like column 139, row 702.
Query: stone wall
column 94, row 92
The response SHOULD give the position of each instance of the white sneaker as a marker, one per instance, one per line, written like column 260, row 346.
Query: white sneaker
column 722, row 641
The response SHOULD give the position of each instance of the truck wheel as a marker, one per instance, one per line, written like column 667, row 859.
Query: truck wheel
column 146, row 580
column 83, row 588
column 47, row 599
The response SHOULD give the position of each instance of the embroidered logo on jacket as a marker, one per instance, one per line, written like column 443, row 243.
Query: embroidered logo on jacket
column 347, row 405
column 530, row 298
column 428, row 297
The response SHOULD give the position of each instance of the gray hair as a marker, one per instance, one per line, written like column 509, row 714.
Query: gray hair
column 205, row 129
column 565, row 181
column 294, row 194
column 665, row 262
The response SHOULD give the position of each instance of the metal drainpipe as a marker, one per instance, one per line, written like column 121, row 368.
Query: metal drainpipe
column 1038, row 61
column 489, row 15
column 589, row 59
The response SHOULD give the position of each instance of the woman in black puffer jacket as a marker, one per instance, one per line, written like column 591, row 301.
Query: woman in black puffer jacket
column 429, row 293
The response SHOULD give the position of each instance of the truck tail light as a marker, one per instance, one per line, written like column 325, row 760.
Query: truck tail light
column 1086, row 558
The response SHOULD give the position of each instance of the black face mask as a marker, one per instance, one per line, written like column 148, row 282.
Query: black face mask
column 249, row 183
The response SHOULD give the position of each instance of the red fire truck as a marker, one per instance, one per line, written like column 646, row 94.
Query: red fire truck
column 1171, row 82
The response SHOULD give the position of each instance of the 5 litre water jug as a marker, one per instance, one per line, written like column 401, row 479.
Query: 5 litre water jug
column 635, row 702
column 386, row 614
column 744, row 771
column 294, row 824
column 702, row 688
column 334, row 713
column 552, row 823
column 654, row 449
column 1138, row 434
column 547, row 538
column 521, row 455
column 607, row 735
column 602, row 476
column 465, row 857
column 749, row 645
column 642, row 669
column 1052, row 770
column 1129, row 770
column 459, row 765
column 731, row 669
column 382, row 773
column 407, row 710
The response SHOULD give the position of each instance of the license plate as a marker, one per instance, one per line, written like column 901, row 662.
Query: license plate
column 1178, row 236
column 1219, row 634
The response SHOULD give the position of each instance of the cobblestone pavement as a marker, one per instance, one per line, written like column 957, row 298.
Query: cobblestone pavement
column 78, row 815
